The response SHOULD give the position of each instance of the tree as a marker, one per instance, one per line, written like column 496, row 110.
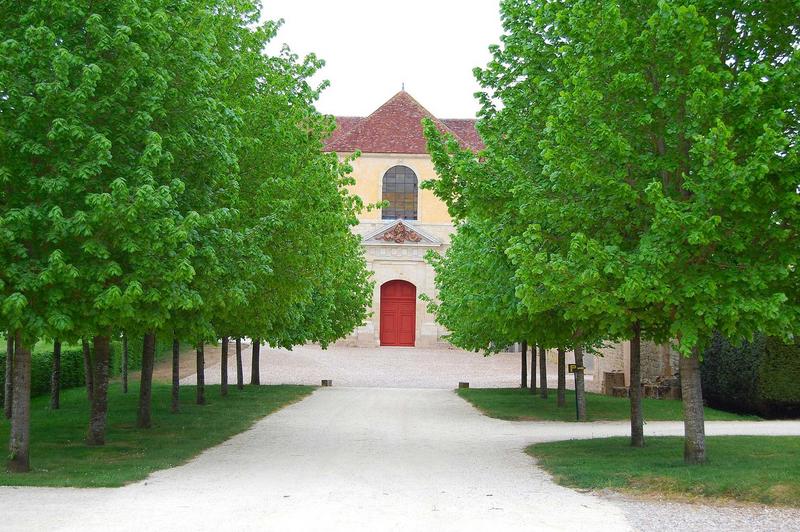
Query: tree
column 19, row 439
column 561, row 396
column 255, row 370
column 8, row 386
column 124, row 362
column 476, row 294
column 223, row 367
column 476, row 279
column 159, row 172
column 239, row 372
column 200, row 389
column 93, row 239
column 662, row 190
column 543, row 371
column 176, row 378
column 87, row 369
column 55, row 377
column 524, row 366
column 143, row 418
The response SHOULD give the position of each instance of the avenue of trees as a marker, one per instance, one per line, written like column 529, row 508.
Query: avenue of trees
column 161, row 176
column 639, row 182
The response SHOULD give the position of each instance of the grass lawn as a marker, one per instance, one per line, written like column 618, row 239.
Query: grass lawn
column 59, row 456
column 518, row 404
column 761, row 469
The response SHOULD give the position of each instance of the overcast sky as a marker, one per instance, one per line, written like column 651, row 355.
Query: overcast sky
column 372, row 47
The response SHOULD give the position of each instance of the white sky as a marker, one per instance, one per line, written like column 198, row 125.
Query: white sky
column 372, row 47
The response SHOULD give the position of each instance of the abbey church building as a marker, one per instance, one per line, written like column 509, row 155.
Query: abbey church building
column 393, row 164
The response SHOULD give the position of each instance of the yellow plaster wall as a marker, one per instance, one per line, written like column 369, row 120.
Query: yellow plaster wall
column 368, row 172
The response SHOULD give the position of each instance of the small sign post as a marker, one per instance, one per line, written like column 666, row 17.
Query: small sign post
column 574, row 369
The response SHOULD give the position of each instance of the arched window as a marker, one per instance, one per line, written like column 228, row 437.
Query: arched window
column 400, row 190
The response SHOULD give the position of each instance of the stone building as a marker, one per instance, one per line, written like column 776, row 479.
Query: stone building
column 393, row 163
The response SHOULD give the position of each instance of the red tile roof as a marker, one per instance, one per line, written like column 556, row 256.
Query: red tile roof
column 395, row 127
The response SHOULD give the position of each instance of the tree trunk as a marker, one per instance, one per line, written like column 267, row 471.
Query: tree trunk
column 176, row 377
column 223, row 368
column 55, row 377
column 524, row 366
column 19, row 437
column 239, row 371
column 99, row 410
column 255, row 372
column 533, row 369
column 580, row 396
column 124, row 362
column 143, row 418
column 87, row 370
column 543, row 372
column 8, row 388
column 666, row 361
column 201, row 376
column 561, row 396
column 635, row 390
column 694, row 448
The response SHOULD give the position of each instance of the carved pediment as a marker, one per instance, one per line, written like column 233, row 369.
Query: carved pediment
column 400, row 233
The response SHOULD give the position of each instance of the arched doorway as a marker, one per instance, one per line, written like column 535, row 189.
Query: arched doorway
column 398, row 313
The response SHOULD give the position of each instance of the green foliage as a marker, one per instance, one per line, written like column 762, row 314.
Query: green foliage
column 629, row 183
column 72, row 374
column 760, row 469
column 132, row 454
column 755, row 377
column 160, row 172
column 476, row 298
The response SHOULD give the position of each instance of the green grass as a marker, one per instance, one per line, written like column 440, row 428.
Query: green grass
column 518, row 404
column 59, row 456
column 760, row 469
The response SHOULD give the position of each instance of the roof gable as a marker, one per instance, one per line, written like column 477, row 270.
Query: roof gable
column 396, row 127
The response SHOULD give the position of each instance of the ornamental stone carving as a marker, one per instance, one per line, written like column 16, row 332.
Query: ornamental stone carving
column 400, row 233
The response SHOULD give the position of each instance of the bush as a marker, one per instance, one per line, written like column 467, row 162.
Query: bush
column 72, row 374
column 758, row 377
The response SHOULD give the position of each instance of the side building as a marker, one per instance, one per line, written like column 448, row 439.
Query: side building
column 393, row 163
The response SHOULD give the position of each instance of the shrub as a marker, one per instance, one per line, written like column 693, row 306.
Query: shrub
column 72, row 374
column 758, row 377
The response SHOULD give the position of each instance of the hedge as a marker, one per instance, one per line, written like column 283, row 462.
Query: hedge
column 759, row 377
column 72, row 363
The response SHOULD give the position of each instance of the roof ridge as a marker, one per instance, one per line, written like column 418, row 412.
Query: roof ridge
column 365, row 120
column 436, row 120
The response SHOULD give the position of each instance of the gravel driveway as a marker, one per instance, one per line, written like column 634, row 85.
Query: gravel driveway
column 394, row 367
column 381, row 459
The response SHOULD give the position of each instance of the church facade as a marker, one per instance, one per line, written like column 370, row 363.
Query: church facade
column 393, row 164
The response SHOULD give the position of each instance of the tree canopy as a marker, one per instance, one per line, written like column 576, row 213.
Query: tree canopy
column 159, row 172
column 647, row 154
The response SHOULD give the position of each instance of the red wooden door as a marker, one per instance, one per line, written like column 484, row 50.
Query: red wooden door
column 398, row 313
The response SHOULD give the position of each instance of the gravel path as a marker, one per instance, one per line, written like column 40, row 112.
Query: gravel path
column 660, row 516
column 375, row 459
column 394, row 367
column 415, row 458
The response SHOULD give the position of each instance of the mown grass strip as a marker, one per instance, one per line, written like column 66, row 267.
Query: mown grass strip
column 759, row 469
column 518, row 404
column 59, row 456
